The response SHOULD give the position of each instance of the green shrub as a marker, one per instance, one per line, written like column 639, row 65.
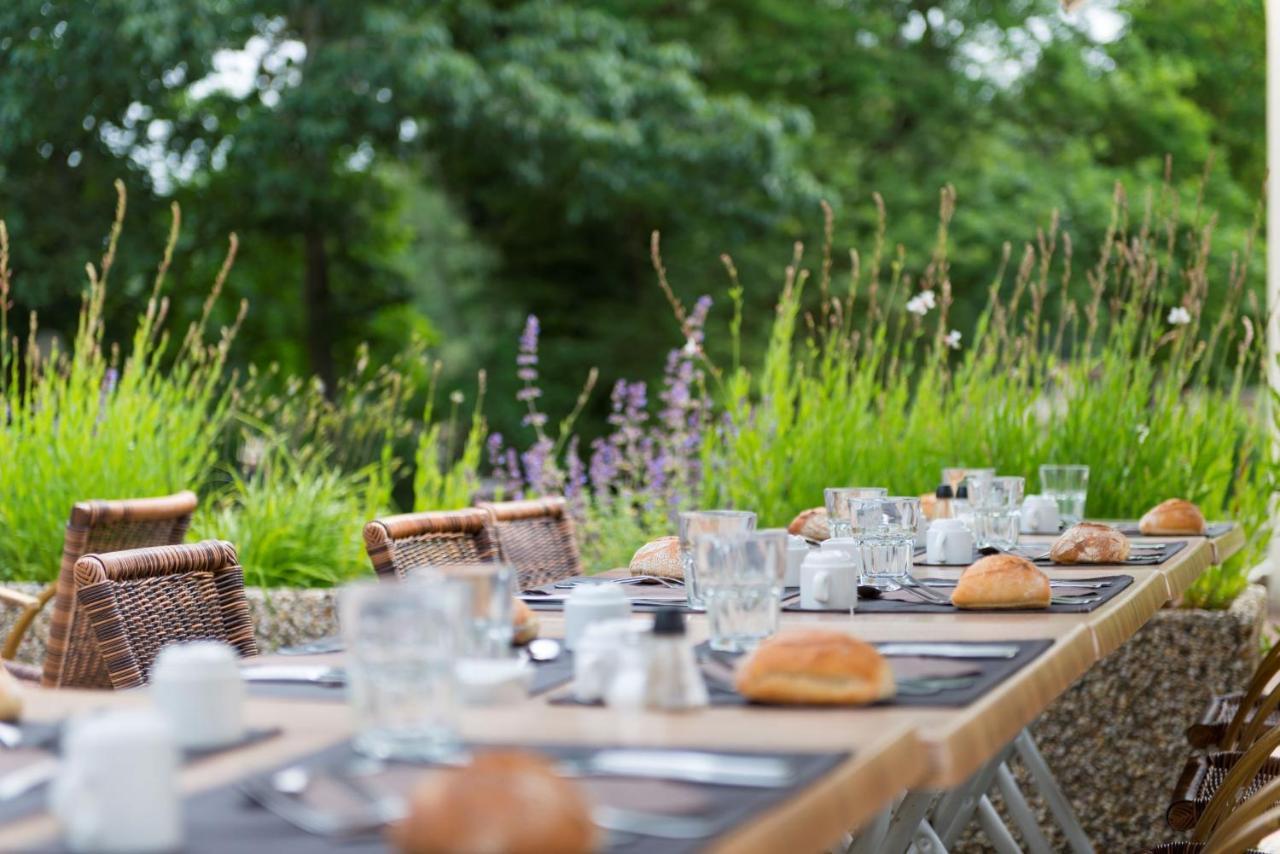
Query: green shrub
column 85, row 423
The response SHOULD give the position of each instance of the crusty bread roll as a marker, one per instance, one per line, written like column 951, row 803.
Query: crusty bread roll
column 526, row 623
column 811, row 524
column 1090, row 542
column 1175, row 516
column 815, row 666
column 660, row 557
column 504, row 802
column 1002, row 581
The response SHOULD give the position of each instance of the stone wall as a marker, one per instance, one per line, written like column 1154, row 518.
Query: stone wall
column 1116, row 740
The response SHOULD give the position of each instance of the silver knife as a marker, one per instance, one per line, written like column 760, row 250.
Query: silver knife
column 310, row 673
column 15, row 784
column 690, row 766
column 949, row 650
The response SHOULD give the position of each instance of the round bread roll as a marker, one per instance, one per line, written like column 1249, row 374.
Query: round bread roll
column 1002, row 581
column 1090, row 542
column 660, row 557
column 811, row 524
column 815, row 666
column 526, row 623
column 504, row 802
column 1175, row 516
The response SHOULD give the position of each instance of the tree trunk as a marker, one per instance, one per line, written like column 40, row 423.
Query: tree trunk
column 317, row 302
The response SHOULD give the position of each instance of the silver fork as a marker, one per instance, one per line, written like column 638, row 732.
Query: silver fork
column 911, row 585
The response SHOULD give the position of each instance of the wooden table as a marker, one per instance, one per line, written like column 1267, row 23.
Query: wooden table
column 894, row 748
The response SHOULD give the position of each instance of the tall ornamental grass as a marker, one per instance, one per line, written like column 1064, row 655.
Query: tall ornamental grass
column 92, row 420
column 866, row 383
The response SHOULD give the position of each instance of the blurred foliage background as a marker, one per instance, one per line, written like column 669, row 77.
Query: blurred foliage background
column 438, row 170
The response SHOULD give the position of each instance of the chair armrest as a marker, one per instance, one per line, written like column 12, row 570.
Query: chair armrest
column 14, row 599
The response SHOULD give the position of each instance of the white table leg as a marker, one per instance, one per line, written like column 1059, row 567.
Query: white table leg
column 1047, row 785
column 1020, row 812
column 997, row 834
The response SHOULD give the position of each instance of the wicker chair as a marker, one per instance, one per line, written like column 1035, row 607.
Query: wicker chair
column 398, row 544
column 1227, row 715
column 1210, row 785
column 536, row 537
column 96, row 526
column 1244, row 824
column 132, row 603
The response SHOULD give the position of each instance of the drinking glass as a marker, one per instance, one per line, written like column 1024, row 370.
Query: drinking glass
column 998, row 515
column 698, row 523
column 837, row 500
column 953, row 476
column 400, row 644
column 1069, row 486
column 884, row 531
column 741, row 577
column 487, row 597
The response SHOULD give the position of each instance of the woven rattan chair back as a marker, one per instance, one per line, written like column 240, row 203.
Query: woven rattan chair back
column 398, row 544
column 99, row 527
column 537, row 538
column 138, row 601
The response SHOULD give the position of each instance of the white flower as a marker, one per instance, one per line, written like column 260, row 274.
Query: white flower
column 455, row 397
column 1143, row 432
column 690, row 347
column 921, row 303
column 1179, row 316
column 953, row 339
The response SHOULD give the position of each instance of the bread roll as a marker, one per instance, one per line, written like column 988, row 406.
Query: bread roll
column 526, row 623
column 1002, row 581
column 660, row 557
column 815, row 666
column 1090, row 542
column 1175, row 516
column 504, row 802
column 811, row 524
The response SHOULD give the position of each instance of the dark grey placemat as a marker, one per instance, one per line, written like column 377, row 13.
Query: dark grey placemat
column 1037, row 555
column 223, row 820
column 638, row 592
column 546, row 675
column 36, row 799
column 895, row 606
column 993, row 672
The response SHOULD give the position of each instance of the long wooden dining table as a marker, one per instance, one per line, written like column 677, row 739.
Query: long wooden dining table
column 894, row 749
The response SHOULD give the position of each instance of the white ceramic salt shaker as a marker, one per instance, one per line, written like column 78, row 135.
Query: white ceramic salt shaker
column 197, row 687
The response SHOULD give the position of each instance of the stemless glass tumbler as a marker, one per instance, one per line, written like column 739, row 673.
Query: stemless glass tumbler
column 699, row 523
column 741, row 577
column 1069, row 486
column 837, row 500
column 401, row 642
column 884, row 534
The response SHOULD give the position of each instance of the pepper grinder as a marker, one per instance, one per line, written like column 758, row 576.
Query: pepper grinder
column 672, row 679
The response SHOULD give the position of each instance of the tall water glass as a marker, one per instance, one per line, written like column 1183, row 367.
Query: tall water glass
column 486, row 594
column 997, row 518
column 884, row 533
column 400, row 644
column 837, row 501
column 741, row 578
column 1067, row 485
column 699, row 523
